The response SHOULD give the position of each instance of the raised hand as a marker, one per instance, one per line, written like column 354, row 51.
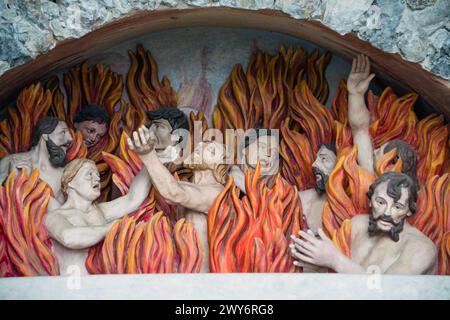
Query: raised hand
column 141, row 141
column 359, row 78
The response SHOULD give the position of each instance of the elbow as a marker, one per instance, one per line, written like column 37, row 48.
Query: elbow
column 173, row 195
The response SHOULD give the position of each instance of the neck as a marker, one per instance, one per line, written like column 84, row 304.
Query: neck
column 204, row 177
column 75, row 201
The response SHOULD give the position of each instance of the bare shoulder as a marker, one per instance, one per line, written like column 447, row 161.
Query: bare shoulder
column 360, row 221
column 419, row 244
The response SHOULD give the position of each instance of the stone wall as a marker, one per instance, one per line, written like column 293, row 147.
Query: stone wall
column 417, row 29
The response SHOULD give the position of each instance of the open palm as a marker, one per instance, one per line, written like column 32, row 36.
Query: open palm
column 359, row 78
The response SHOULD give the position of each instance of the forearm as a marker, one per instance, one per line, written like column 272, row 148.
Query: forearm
column 358, row 114
column 343, row 264
column 83, row 237
column 139, row 189
column 161, row 178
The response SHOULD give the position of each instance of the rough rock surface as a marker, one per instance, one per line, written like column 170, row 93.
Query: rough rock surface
column 419, row 30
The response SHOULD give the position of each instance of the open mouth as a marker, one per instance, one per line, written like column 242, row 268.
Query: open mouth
column 96, row 186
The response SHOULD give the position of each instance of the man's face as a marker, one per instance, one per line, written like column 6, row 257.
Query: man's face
column 92, row 131
column 87, row 182
column 61, row 136
column 386, row 212
column 57, row 144
column 323, row 166
column 265, row 149
column 161, row 132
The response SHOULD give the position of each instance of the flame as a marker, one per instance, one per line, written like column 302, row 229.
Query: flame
column 315, row 120
column 342, row 237
column 346, row 192
column 344, row 137
column 23, row 205
column 32, row 104
column 444, row 255
column 339, row 104
column 144, row 88
column 147, row 247
column 384, row 163
column 395, row 117
column 57, row 107
column 297, row 158
column 252, row 234
column 261, row 96
column 432, row 148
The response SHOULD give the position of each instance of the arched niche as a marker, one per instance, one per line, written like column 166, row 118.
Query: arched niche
column 391, row 69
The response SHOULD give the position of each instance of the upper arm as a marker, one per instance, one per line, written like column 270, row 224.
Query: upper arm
column 116, row 208
column 56, row 224
column 417, row 258
column 195, row 197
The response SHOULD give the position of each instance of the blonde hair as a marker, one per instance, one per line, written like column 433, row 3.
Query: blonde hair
column 70, row 171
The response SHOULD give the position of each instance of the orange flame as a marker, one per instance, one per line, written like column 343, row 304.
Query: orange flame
column 315, row 120
column 23, row 205
column 147, row 247
column 32, row 104
column 346, row 192
column 144, row 88
column 252, row 234
column 261, row 96
column 297, row 158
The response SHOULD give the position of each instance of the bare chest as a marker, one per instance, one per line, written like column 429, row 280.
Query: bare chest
column 93, row 217
column 373, row 252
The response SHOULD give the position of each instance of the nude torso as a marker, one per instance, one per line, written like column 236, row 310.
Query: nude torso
column 76, row 257
column 380, row 251
column 312, row 205
column 52, row 176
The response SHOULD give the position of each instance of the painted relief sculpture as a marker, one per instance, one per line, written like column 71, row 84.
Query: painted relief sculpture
column 92, row 121
column 382, row 239
column 196, row 197
column 107, row 182
column 48, row 147
column 81, row 223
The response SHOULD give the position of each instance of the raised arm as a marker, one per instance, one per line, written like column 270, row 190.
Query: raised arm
column 188, row 195
column 138, row 191
column 73, row 237
column 358, row 115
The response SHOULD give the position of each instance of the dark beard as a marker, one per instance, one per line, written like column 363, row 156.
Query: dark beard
column 57, row 154
column 320, row 185
column 394, row 232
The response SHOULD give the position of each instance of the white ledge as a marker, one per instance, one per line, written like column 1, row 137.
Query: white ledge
column 228, row 286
